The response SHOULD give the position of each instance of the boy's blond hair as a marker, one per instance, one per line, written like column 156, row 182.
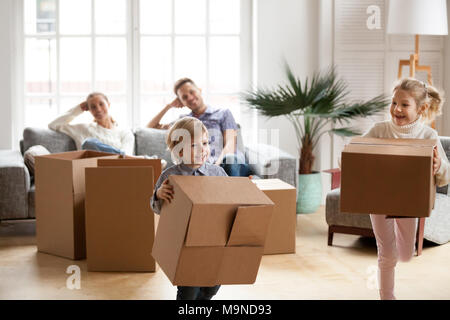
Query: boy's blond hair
column 187, row 123
column 423, row 94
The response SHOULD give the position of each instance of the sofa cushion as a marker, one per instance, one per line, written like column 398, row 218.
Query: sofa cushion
column 53, row 141
column 14, row 185
column 31, row 153
column 152, row 142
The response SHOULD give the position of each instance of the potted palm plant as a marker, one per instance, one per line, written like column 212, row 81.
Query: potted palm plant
column 312, row 107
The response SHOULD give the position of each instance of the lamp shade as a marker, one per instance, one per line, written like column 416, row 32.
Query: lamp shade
column 417, row 17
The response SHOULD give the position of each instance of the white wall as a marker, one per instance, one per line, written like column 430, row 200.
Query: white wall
column 299, row 31
column 6, row 89
column 287, row 29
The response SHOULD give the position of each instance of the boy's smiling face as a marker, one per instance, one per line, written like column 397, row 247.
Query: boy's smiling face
column 200, row 150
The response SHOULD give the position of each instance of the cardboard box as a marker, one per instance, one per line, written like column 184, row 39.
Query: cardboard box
column 281, row 233
column 60, row 194
column 120, row 226
column 213, row 232
column 388, row 176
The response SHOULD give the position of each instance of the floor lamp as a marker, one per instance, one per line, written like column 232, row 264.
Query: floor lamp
column 417, row 17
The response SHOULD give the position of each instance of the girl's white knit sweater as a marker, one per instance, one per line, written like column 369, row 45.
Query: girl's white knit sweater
column 416, row 130
column 116, row 137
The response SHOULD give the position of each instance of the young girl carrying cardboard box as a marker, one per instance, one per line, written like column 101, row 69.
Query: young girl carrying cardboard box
column 414, row 103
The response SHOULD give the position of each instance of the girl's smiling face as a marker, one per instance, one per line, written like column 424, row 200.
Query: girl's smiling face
column 98, row 106
column 404, row 109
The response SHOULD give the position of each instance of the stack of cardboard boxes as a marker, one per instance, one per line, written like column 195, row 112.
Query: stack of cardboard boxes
column 96, row 205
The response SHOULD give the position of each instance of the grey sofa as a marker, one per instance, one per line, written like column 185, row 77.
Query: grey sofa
column 436, row 228
column 17, row 187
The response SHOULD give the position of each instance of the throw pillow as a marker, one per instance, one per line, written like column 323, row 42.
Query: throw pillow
column 28, row 156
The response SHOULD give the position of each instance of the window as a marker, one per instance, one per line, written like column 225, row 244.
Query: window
column 133, row 51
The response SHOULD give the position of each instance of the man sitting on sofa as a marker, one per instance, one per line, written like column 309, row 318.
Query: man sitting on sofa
column 220, row 123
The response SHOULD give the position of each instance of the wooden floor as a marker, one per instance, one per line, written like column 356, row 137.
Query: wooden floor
column 315, row 271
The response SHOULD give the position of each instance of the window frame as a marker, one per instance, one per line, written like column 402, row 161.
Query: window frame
column 132, row 36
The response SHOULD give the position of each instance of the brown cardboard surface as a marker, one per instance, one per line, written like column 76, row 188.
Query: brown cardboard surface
column 281, row 233
column 245, row 232
column 206, row 229
column 240, row 265
column 201, row 193
column 199, row 266
column 380, row 178
column 194, row 229
column 394, row 142
column 119, row 220
column 54, row 208
column 59, row 180
column 171, row 232
column 209, row 266
column 154, row 163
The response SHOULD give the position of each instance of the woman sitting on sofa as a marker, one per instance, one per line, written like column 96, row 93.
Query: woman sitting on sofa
column 103, row 134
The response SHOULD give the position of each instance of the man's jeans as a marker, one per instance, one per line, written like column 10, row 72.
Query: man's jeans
column 235, row 166
column 96, row 145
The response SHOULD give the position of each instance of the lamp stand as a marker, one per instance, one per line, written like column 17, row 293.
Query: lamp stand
column 414, row 66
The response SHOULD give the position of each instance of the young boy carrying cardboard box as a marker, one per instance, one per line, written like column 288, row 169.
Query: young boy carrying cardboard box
column 212, row 229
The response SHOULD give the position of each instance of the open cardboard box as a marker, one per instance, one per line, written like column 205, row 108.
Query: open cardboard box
column 281, row 234
column 60, row 194
column 388, row 176
column 120, row 225
column 213, row 231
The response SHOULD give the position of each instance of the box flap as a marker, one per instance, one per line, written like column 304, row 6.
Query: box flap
column 221, row 190
column 385, row 149
column 210, row 225
column 403, row 147
column 394, row 142
column 171, row 232
column 54, row 203
column 250, row 226
column 89, row 159
column 70, row 155
column 82, row 154
column 97, row 154
column 133, row 162
column 119, row 221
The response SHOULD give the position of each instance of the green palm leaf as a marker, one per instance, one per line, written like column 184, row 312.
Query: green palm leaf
column 311, row 105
